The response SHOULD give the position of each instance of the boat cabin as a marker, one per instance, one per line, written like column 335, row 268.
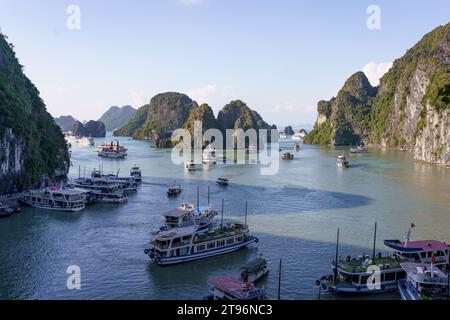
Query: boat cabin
column 421, row 251
column 229, row 288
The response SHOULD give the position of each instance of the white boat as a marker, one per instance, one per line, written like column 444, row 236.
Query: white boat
column 198, row 242
column 342, row 161
column 283, row 136
column 228, row 288
column 359, row 149
column 254, row 271
column 86, row 141
column 298, row 136
column 103, row 191
column 112, row 150
column 55, row 199
column 209, row 155
column 187, row 215
column 173, row 191
column 423, row 282
column 71, row 138
column 128, row 184
column 190, row 166
column 136, row 173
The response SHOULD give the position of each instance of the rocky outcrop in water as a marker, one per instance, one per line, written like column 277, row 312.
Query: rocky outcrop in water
column 66, row 123
column 116, row 117
column 31, row 143
column 94, row 129
column 409, row 111
column 289, row 131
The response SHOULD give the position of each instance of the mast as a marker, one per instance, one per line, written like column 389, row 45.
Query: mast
column 209, row 198
column 246, row 213
column 374, row 242
column 337, row 257
column 221, row 220
column 279, row 280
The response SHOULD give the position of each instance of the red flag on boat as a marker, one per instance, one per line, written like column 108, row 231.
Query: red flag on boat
column 433, row 259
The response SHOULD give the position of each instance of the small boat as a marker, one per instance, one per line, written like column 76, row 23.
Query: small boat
column 173, row 191
column 224, row 182
column 55, row 199
column 112, row 150
column 288, row 156
column 229, row 288
column 359, row 149
column 86, row 141
column 192, row 243
column 190, row 166
column 297, row 137
column 209, row 155
column 342, row 161
column 423, row 282
column 6, row 211
column 254, row 271
column 296, row 146
column 136, row 173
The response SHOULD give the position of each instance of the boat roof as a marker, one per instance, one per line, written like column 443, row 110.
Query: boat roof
column 69, row 192
column 176, row 232
column 255, row 265
column 229, row 285
column 422, row 272
column 417, row 246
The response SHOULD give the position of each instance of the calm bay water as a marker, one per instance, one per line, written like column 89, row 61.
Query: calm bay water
column 295, row 214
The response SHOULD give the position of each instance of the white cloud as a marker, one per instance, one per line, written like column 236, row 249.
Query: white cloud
column 213, row 95
column 374, row 71
column 191, row 2
column 138, row 98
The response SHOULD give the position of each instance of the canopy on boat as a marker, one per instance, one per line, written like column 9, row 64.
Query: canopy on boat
column 255, row 265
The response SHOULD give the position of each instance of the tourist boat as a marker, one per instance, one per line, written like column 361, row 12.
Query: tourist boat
column 128, row 184
column 254, row 271
column 190, row 166
column 192, row 243
column 288, row 156
column 296, row 146
column 342, row 161
column 188, row 215
column 103, row 191
column 136, row 173
column 229, row 288
column 359, row 149
column 298, row 136
column 6, row 211
column 71, row 139
column 209, row 155
column 173, row 191
column 55, row 199
column 112, row 150
column 223, row 182
column 423, row 282
column 86, row 141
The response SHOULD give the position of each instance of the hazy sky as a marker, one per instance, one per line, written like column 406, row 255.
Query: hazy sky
column 280, row 57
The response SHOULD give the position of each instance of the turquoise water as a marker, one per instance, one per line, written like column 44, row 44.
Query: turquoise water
column 295, row 214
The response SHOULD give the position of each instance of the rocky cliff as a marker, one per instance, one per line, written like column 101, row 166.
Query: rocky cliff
column 94, row 129
column 31, row 143
column 116, row 117
column 408, row 111
column 66, row 123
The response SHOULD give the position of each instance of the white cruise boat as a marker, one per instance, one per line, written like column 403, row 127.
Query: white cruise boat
column 55, row 199
column 86, row 141
column 136, row 173
column 190, row 166
column 187, row 215
column 102, row 191
column 112, row 150
column 342, row 161
column 298, row 136
column 192, row 243
column 209, row 155
column 423, row 282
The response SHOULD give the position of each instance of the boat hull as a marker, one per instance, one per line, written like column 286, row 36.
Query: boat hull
column 77, row 209
column 349, row 289
column 203, row 255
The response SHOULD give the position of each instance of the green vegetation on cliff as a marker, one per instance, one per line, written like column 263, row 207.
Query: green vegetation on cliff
column 116, row 117
column 205, row 114
column 31, row 143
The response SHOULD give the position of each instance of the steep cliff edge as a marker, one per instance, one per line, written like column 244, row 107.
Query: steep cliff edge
column 31, row 143
column 408, row 111
column 116, row 117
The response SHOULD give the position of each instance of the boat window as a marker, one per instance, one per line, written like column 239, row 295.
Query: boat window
column 390, row 276
column 201, row 248
column 239, row 239
column 221, row 243
column 211, row 245
column 230, row 241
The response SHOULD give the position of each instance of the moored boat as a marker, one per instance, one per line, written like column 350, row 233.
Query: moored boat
column 229, row 288
column 174, row 190
column 254, row 271
column 223, row 182
column 103, row 191
column 359, row 149
column 55, row 199
column 423, row 282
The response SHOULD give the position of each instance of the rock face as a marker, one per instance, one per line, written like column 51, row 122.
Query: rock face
column 157, row 120
column 31, row 143
column 116, row 117
column 408, row 111
column 94, row 129
column 66, row 123
column 289, row 131
column 237, row 115
column 203, row 113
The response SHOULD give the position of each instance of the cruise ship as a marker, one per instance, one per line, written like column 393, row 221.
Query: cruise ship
column 112, row 150
column 56, row 199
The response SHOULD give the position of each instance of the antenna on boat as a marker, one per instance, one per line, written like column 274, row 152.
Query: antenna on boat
column 374, row 243
column 337, row 257
column 221, row 220
column 279, row 280
column 246, row 213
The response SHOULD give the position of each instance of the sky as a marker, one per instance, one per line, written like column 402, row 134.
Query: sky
column 279, row 56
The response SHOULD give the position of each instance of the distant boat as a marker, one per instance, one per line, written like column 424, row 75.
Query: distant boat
column 288, row 156
column 298, row 136
column 112, row 150
column 223, row 182
column 209, row 155
column 359, row 149
column 342, row 161
column 174, row 190
column 296, row 146
column 254, row 271
column 190, row 166
column 229, row 288
column 136, row 173
column 6, row 211
column 86, row 141
column 283, row 136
